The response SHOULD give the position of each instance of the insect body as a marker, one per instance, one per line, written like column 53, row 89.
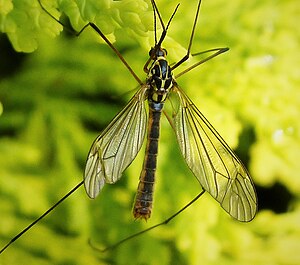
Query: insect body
column 218, row 170
column 159, row 81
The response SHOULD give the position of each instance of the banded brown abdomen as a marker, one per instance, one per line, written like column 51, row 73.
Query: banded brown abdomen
column 144, row 197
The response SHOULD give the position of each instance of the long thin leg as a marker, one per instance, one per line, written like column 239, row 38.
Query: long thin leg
column 191, row 39
column 165, row 29
column 217, row 52
column 165, row 222
column 41, row 217
column 92, row 25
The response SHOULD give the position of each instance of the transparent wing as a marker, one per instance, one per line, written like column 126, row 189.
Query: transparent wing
column 117, row 146
column 217, row 168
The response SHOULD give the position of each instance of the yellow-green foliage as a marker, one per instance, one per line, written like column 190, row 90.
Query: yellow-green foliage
column 67, row 90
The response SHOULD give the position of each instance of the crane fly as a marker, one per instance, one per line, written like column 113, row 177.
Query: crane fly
column 217, row 168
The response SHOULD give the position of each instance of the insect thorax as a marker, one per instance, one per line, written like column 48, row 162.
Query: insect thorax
column 160, row 78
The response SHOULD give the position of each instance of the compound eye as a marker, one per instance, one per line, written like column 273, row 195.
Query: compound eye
column 165, row 51
column 151, row 52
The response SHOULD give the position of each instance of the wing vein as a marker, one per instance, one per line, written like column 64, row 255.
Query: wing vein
column 218, row 170
column 117, row 146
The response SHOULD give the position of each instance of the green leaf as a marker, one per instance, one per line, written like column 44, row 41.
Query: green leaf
column 25, row 23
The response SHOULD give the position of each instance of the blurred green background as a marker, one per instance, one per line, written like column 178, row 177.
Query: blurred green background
column 58, row 92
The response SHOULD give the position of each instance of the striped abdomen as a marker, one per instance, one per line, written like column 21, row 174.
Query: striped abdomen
column 144, row 197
